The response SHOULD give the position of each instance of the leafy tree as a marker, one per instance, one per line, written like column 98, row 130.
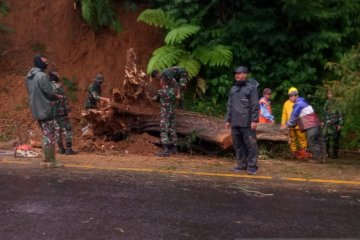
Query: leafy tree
column 99, row 14
column 347, row 90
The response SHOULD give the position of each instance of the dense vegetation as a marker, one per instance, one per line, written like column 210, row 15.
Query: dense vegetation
column 284, row 42
column 346, row 89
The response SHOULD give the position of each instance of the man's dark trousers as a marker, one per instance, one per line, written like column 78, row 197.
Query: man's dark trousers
column 245, row 146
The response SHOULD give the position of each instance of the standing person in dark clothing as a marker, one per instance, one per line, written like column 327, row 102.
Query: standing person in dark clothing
column 41, row 94
column 178, row 77
column 61, row 112
column 333, row 122
column 94, row 93
column 166, row 96
column 242, row 117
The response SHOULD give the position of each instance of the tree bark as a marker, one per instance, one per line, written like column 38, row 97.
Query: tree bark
column 125, row 118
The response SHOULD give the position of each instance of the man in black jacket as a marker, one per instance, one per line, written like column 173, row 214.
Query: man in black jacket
column 242, row 117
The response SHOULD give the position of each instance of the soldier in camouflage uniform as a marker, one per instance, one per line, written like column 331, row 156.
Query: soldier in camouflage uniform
column 61, row 110
column 94, row 93
column 332, row 125
column 41, row 95
column 178, row 77
column 166, row 96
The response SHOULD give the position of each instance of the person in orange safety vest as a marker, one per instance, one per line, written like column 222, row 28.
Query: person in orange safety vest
column 265, row 112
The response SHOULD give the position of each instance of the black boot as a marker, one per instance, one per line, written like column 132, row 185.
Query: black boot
column 174, row 149
column 181, row 104
column 165, row 152
column 69, row 150
column 61, row 148
column 336, row 153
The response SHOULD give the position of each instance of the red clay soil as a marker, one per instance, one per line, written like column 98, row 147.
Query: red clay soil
column 78, row 52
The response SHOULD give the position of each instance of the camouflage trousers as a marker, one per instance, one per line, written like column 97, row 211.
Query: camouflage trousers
column 168, row 129
column 64, row 129
column 49, row 129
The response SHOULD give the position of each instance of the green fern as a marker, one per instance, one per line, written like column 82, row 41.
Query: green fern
column 164, row 57
column 87, row 10
column 100, row 13
column 218, row 55
column 157, row 18
column 191, row 64
column 178, row 35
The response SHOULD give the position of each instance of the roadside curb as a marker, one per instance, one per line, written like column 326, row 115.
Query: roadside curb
column 209, row 174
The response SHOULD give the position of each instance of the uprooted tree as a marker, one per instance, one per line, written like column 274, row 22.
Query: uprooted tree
column 132, row 110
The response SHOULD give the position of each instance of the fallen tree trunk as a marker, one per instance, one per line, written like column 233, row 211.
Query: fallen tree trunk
column 212, row 129
column 142, row 119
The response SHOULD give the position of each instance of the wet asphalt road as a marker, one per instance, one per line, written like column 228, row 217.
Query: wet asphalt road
column 83, row 204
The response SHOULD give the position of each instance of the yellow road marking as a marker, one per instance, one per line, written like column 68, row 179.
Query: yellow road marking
column 321, row 180
column 314, row 180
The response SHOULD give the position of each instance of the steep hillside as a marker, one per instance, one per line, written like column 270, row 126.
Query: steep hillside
column 54, row 26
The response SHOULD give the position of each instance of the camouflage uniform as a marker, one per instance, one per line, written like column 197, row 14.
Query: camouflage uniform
column 166, row 96
column 178, row 78
column 50, row 134
column 61, row 110
column 94, row 94
column 332, row 119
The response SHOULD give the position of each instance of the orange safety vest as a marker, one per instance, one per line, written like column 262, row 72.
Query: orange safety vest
column 262, row 119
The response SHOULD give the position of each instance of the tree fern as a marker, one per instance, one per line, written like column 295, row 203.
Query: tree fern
column 157, row 18
column 217, row 55
column 164, row 57
column 191, row 64
column 178, row 35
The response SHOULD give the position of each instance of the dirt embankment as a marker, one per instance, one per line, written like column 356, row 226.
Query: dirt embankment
column 56, row 29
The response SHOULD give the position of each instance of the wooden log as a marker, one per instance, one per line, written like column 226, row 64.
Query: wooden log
column 146, row 119
column 213, row 129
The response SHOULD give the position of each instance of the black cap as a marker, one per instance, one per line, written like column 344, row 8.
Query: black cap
column 99, row 78
column 241, row 69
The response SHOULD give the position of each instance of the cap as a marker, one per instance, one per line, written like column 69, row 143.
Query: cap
column 241, row 69
column 99, row 78
column 293, row 90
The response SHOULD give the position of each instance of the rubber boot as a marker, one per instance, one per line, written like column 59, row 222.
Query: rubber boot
column 164, row 152
column 336, row 153
column 69, row 150
column 181, row 104
column 304, row 154
column 61, row 148
column 50, row 158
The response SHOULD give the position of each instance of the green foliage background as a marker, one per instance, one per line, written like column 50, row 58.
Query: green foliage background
column 284, row 43
column 346, row 89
